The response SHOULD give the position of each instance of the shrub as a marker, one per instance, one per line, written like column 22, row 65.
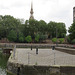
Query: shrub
column 68, row 39
column 21, row 39
column 37, row 38
column 54, row 40
column 61, row 40
column 73, row 41
column 28, row 39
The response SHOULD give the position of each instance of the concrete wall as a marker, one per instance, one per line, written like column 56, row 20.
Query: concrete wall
column 66, row 50
column 19, row 69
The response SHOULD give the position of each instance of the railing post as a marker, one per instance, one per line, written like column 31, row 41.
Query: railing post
column 54, row 58
column 28, row 58
column 36, row 50
column 14, row 50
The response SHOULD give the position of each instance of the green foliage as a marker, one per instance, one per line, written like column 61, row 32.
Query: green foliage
column 69, row 39
column 28, row 39
column 73, row 41
column 37, row 38
column 3, row 59
column 8, row 23
column 42, row 37
column 56, row 29
column 21, row 37
column 31, row 27
column 54, row 40
column 12, row 36
column 61, row 40
column 42, row 27
column 72, row 31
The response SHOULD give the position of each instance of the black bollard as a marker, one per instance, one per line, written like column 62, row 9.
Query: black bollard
column 31, row 47
column 36, row 50
column 53, row 47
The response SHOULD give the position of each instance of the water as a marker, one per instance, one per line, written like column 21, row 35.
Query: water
column 3, row 64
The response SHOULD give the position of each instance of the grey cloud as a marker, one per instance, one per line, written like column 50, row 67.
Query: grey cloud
column 4, row 7
column 17, row 4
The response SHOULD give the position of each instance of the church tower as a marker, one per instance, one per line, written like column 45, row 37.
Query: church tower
column 31, row 12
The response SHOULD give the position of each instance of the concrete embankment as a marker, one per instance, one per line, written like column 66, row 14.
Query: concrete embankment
column 66, row 50
column 47, row 62
column 20, row 69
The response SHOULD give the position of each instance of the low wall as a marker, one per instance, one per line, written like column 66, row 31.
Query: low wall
column 19, row 69
column 66, row 50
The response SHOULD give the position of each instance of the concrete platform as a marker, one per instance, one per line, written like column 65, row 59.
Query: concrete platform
column 46, row 57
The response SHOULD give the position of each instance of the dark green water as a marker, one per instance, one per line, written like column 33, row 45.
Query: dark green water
column 3, row 64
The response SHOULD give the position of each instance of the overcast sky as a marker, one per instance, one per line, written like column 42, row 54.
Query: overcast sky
column 47, row 10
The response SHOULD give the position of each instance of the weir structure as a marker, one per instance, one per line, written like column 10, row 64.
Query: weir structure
column 45, row 61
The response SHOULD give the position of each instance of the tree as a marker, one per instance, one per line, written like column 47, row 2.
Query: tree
column 8, row 23
column 42, row 27
column 12, row 36
column 37, row 38
column 52, row 29
column 56, row 30
column 21, row 37
column 72, row 31
column 31, row 28
column 61, row 30
column 73, row 41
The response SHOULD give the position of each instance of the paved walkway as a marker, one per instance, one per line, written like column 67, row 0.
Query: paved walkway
column 47, row 57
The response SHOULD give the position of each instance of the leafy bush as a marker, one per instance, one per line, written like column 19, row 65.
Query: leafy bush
column 73, row 41
column 28, row 39
column 54, row 40
column 37, row 38
column 21, row 39
column 61, row 40
column 69, row 39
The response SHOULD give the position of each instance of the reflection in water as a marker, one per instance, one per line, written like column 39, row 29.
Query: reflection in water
column 3, row 63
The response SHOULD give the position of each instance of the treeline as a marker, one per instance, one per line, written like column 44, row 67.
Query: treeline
column 71, row 36
column 31, row 31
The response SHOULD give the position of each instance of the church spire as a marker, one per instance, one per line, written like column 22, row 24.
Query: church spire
column 31, row 12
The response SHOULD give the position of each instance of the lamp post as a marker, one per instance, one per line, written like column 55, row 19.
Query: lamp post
column 14, row 51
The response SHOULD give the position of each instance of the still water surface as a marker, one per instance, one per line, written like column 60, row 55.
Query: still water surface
column 3, row 64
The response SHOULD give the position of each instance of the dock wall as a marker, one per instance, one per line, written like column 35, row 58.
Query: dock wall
column 20, row 69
